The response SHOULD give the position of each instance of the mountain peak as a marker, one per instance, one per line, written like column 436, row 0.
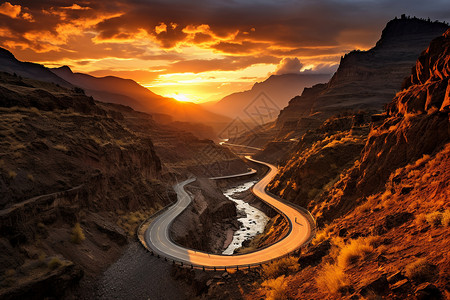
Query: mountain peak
column 6, row 54
column 406, row 26
column 64, row 69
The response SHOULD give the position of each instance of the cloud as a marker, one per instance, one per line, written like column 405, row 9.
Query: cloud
column 10, row 10
column 289, row 66
column 202, row 36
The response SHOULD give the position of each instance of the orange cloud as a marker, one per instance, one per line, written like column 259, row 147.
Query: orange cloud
column 10, row 10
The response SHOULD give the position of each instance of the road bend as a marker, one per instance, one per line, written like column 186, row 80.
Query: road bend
column 158, row 239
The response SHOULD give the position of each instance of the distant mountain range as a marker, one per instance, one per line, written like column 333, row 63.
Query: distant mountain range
column 128, row 92
column 120, row 91
column 279, row 89
column 9, row 64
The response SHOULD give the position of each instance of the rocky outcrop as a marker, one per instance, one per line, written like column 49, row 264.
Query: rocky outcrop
column 367, row 79
column 416, row 124
column 319, row 157
column 204, row 224
column 51, row 284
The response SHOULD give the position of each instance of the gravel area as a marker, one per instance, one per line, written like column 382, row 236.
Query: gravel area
column 138, row 275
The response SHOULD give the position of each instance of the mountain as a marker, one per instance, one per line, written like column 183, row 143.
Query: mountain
column 278, row 88
column 378, row 187
column 77, row 176
column 128, row 92
column 9, row 64
column 365, row 80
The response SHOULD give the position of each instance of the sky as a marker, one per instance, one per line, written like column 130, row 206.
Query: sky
column 199, row 50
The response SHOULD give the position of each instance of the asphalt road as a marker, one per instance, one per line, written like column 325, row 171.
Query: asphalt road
column 157, row 234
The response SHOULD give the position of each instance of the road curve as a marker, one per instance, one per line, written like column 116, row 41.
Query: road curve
column 250, row 172
column 157, row 235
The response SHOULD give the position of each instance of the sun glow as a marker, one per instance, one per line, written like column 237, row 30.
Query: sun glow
column 179, row 97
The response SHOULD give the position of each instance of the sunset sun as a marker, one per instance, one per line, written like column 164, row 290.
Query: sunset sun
column 179, row 97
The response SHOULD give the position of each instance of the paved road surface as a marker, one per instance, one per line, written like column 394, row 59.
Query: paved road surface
column 157, row 234
column 250, row 172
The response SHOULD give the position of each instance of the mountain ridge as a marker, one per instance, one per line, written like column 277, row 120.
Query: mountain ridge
column 279, row 88
column 366, row 79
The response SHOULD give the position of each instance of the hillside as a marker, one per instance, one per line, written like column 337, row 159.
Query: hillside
column 9, row 64
column 128, row 92
column 279, row 88
column 77, row 176
column 365, row 80
column 379, row 191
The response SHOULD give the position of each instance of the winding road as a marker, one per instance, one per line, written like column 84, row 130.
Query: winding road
column 157, row 235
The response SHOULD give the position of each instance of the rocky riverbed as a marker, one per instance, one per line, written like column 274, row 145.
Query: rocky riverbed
column 252, row 220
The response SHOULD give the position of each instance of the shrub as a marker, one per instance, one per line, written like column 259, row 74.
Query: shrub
column 30, row 177
column 276, row 288
column 280, row 267
column 421, row 219
column 54, row 263
column 332, row 279
column 434, row 218
column 12, row 174
column 420, row 270
column 77, row 234
column 446, row 218
column 61, row 147
column 354, row 251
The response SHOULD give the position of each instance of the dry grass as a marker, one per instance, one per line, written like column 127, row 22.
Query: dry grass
column 12, row 174
column 130, row 222
column 354, row 252
column 332, row 279
column 61, row 147
column 446, row 218
column 420, row 270
column 54, row 263
column 280, row 267
column 77, row 234
column 276, row 288
column 436, row 218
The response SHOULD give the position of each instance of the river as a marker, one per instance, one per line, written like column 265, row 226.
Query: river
column 253, row 220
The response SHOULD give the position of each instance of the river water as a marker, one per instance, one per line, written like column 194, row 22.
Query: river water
column 253, row 220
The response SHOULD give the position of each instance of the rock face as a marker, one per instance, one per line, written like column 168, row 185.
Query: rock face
column 319, row 157
column 416, row 124
column 366, row 79
column 77, row 176
column 203, row 225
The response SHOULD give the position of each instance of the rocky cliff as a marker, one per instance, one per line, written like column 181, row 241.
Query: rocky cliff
column 365, row 80
column 77, row 177
column 384, row 219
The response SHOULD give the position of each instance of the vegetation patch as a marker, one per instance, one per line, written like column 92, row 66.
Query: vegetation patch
column 77, row 234
column 420, row 270
column 276, row 289
column 280, row 267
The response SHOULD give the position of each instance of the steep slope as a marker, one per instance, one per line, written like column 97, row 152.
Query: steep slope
column 384, row 221
column 130, row 93
column 365, row 80
column 76, row 178
column 279, row 88
column 9, row 64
